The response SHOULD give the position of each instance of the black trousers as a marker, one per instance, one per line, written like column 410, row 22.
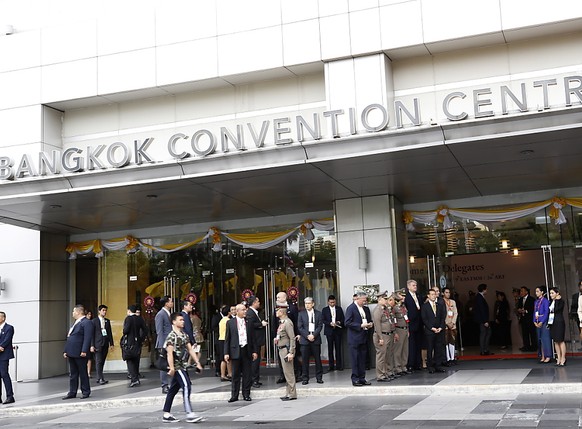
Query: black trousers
column 435, row 347
column 334, row 349
column 100, row 356
column 256, row 370
column 241, row 368
column 308, row 350
column 78, row 371
column 414, row 344
column 5, row 375
column 528, row 333
column 358, row 355
column 133, row 368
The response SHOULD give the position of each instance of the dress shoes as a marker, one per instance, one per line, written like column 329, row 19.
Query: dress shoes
column 247, row 398
column 287, row 398
column 84, row 396
column 135, row 384
column 256, row 385
column 431, row 371
column 233, row 400
column 331, row 368
column 165, row 389
column 383, row 380
column 319, row 381
column 9, row 400
column 304, row 382
column 357, row 384
column 102, row 382
column 366, row 383
column 69, row 397
column 280, row 380
column 439, row 370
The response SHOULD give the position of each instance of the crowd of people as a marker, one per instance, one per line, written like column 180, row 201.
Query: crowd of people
column 409, row 332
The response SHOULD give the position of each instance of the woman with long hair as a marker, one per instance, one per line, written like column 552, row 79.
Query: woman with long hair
column 557, row 325
column 540, row 319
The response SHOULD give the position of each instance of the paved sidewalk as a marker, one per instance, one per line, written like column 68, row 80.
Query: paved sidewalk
column 483, row 378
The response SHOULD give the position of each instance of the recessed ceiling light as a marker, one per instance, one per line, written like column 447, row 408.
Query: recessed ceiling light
column 151, row 196
column 527, row 152
column 55, row 206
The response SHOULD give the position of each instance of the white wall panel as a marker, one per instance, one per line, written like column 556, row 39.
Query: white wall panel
column 184, row 20
column 159, row 110
column 450, row 19
column 19, row 50
column 205, row 104
column 298, row 10
column 185, row 62
column 354, row 5
column 335, row 36
column 70, row 80
column 20, row 88
column 401, row 25
column 349, row 215
column 365, row 31
column 377, row 212
column 126, row 31
column 127, row 71
column 21, row 125
column 332, row 7
column 24, row 245
column 69, row 42
column 235, row 16
column 250, row 50
column 92, row 120
column 523, row 13
column 471, row 64
column 301, row 43
column 52, row 127
column 378, row 243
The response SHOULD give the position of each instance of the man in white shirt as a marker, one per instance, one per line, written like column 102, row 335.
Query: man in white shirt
column 333, row 323
column 310, row 325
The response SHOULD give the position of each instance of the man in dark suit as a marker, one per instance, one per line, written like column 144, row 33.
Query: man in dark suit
column 258, row 329
column 163, row 328
column 481, row 317
column 188, row 328
column 77, row 347
column 6, row 353
column 135, row 328
column 240, row 349
column 102, row 341
column 525, row 310
column 358, row 322
column 333, row 323
column 412, row 302
column 433, row 320
column 310, row 325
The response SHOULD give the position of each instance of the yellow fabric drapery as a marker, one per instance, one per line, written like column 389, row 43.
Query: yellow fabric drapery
column 442, row 214
column 259, row 240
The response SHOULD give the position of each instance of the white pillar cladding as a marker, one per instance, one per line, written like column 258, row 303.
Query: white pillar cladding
column 359, row 82
column 369, row 222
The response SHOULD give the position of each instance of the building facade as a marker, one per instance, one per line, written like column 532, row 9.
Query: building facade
column 160, row 120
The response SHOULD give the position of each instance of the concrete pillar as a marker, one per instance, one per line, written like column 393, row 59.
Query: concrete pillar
column 371, row 223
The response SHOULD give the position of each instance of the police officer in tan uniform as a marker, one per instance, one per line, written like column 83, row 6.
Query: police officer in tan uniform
column 285, row 345
column 384, row 338
column 401, row 346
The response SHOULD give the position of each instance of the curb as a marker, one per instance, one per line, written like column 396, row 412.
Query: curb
column 157, row 401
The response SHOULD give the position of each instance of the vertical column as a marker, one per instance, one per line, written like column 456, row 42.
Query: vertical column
column 357, row 83
column 369, row 222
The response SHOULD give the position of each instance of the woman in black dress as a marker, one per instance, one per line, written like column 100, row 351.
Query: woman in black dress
column 557, row 325
column 502, row 323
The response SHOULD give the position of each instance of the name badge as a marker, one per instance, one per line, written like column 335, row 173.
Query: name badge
column 450, row 313
column 537, row 314
column 104, row 332
column 406, row 317
column 364, row 320
column 551, row 319
column 311, row 327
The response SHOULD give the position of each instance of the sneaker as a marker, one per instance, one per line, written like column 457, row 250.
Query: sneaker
column 193, row 418
column 170, row 419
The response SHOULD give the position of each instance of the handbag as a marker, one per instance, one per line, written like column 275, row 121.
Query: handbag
column 162, row 360
column 129, row 349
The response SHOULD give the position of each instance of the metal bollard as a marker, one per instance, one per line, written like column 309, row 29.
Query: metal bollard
column 15, row 348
